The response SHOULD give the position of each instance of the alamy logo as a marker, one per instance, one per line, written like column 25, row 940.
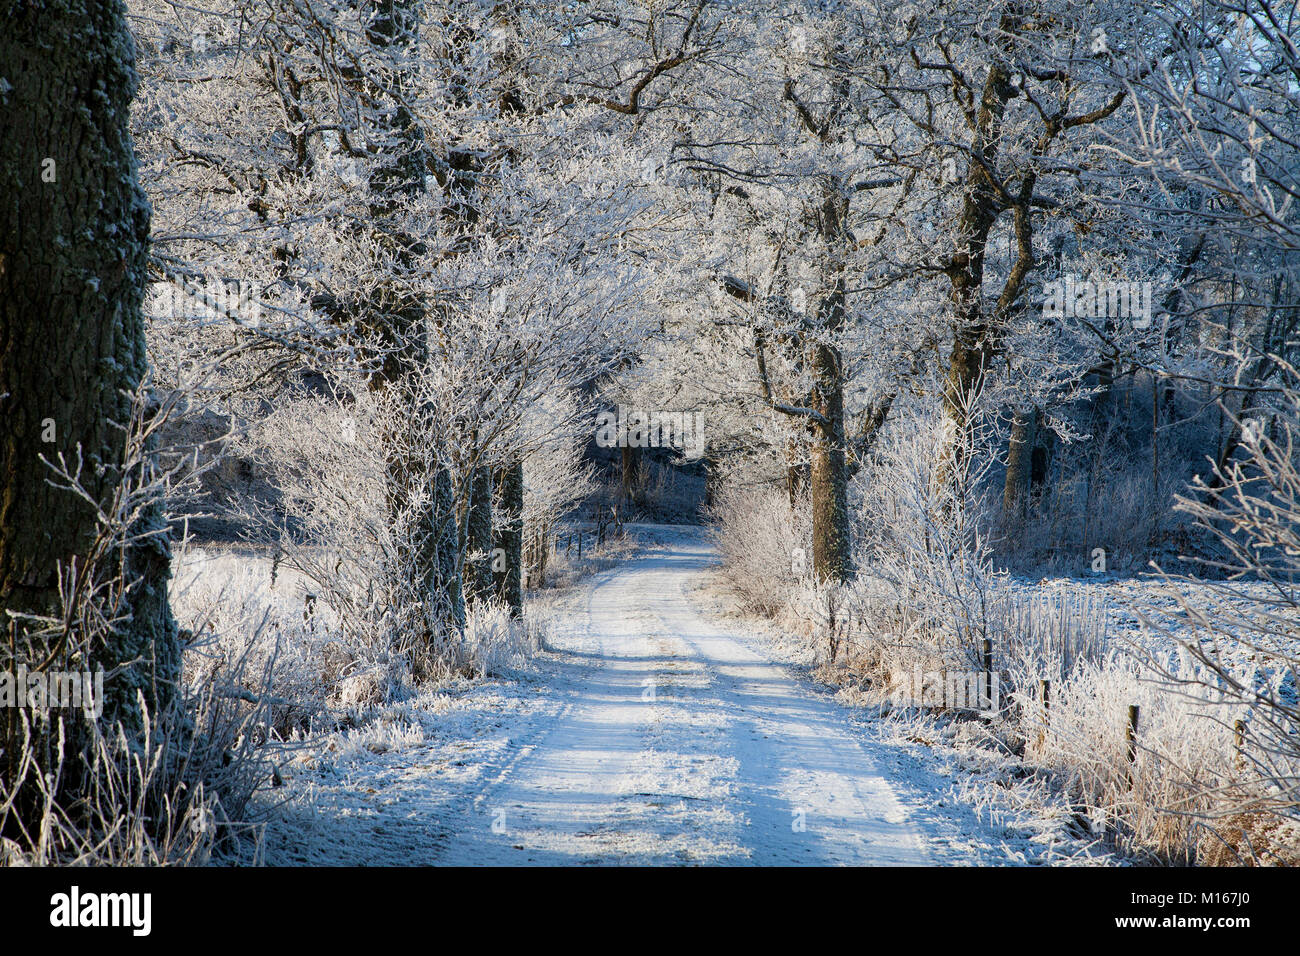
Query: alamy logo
column 199, row 297
column 75, row 909
column 53, row 690
column 637, row 428
column 950, row 690
column 1070, row 297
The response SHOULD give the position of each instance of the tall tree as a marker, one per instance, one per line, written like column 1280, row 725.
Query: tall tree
column 74, row 230
column 508, row 538
column 401, row 318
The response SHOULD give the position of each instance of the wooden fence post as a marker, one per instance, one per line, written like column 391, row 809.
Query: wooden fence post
column 988, row 672
column 1045, row 696
column 1130, row 735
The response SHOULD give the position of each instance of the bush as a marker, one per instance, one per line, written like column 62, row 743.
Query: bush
column 764, row 543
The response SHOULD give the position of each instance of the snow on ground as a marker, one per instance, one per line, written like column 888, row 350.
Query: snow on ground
column 977, row 795
column 966, row 794
column 1146, row 616
column 662, row 727
column 651, row 733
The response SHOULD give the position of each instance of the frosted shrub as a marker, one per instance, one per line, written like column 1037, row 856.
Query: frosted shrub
column 925, row 596
column 765, row 545
column 354, row 544
column 1184, row 769
column 495, row 642
column 1247, row 665
column 1047, row 637
column 228, row 600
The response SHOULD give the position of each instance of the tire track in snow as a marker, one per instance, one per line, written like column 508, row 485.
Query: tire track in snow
column 681, row 744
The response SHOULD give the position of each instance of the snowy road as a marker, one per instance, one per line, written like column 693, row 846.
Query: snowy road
column 679, row 743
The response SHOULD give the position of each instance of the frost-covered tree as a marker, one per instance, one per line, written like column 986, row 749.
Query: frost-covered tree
column 74, row 231
column 424, row 211
column 1214, row 129
column 845, row 167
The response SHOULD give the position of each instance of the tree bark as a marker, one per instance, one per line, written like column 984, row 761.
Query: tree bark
column 478, row 534
column 829, row 476
column 632, row 465
column 711, row 476
column 828, row 482
column 975, row 339
column 74, row 229
column 400, row 319
column 509, row 538
column 1020, row 462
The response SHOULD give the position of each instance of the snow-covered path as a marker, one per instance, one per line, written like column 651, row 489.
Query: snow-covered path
column 679, row 743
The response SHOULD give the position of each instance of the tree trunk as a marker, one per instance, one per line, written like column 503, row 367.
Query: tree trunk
column 74, row 231
column 508, row 569
column 478, row 535
column 832, row 560
column 829, row 477
column 632, row 465
column 444, row 576
column 399, row 319
column 1020, row 462
column 711, row 477
column 976, row 339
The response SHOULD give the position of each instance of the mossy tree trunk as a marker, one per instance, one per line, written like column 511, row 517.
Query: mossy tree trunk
column 74, row 233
